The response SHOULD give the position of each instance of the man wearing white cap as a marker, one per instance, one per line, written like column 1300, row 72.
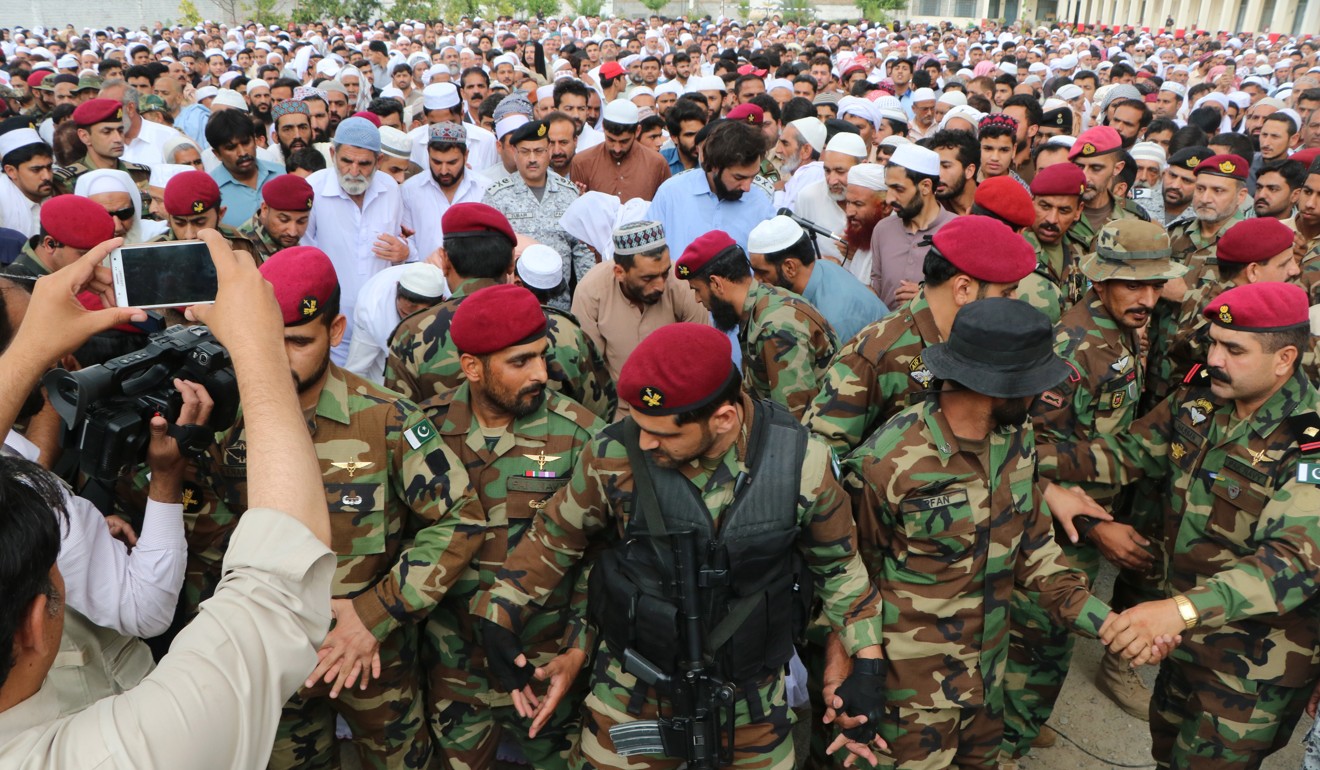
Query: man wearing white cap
column 822, row 202
column 864, row 206
column 923, row 114
column 1169, row 101
column 27, row 180
column 782, row 254
column 395, row 154
column 800, row 146
column 506, row 165
column 388, row 297
column 620, row 165
column 441, row 104
column 1148, row 192
column 900, row 243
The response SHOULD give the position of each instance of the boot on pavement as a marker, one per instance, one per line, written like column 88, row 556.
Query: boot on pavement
column 1045, row 739
column 1120, row 683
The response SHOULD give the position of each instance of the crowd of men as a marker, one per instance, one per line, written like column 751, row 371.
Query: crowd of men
column 825, row 363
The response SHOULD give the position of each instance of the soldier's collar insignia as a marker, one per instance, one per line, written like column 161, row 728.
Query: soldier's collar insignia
column 1224, row 315
column 309, row 306
column 198, row 207
column 1177, row 451
column 653, row 397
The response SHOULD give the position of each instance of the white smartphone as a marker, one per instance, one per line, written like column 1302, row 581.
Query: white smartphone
column 167, row 274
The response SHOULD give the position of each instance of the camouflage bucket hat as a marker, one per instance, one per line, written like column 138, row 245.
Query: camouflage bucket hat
column 1131, row 250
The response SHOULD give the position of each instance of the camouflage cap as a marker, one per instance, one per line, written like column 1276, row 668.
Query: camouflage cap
column 1131, row 250
column 150, row 103
column 89, row 83
column 7, row 93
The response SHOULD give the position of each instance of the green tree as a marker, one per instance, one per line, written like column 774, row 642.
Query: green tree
column 362, row 10
column 423, row 10
column 264, row 12
column 744, row 9
column 308, row 11
column 654, row 6
column 587, row 8
column 542, row 8
column 879, row 10
column 189, row 16
column 797, row 11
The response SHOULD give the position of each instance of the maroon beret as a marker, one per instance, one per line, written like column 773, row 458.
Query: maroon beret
column 1306, row 157
column 1094, row 141
column 701, row 251
column 464, row 219
column 1254, row 240
column 1005, row 198
column 497, row 317
column 304, row 280
column 1059, row 179
column 94, row 111
column 747, row 113
column 288, row 192
column 677, row 368
column 1226, row 165
column 35, row 78
column 190, row 193
column 372, row 117
column 1269, row 306
column 76, row 221
column 986, row 249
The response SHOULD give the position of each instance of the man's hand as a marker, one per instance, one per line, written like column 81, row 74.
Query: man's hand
column 121, row 530
column 163, row 455
column 560, row 673
column 391, row 249
column 1137, row 633
column 504, row 656
column 1313, row 701
column 1068, row 503
column 349, row 652
column 56, row 323
column 1122, row 545
column 906, row 291
column 854, row 704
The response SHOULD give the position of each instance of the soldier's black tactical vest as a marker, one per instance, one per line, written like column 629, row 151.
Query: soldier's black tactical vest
column 755, row 588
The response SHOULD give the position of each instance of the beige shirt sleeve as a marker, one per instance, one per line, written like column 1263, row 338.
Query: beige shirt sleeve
column 215, row 699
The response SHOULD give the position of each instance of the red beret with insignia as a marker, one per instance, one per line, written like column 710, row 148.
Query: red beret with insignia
column 677, row 368
column 702, row 251
column 1059, row 179
column 1269, row 306
column 1095, row 141
column 1004, row 198
column 304, row 280
column 985, row 248
column 76, row 221
column 288, row 192
column 1254, row 240
column 35, row 78
column 747, row 113
column 190, row 193
column 466, row 219
column 94, row 111
column 497, row 317
column 1226, row 165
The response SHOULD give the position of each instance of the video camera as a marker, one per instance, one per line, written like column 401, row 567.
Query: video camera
column 109, row 407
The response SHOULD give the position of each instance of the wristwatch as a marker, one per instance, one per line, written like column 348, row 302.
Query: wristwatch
column 1190, row 616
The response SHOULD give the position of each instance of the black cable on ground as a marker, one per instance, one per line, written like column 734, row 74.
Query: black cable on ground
column 1093, row 755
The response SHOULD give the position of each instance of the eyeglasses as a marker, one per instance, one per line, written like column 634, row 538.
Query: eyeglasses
column 125, row 213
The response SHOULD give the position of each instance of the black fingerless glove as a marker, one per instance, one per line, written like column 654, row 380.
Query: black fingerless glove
column 863, row 694
column 502, row 648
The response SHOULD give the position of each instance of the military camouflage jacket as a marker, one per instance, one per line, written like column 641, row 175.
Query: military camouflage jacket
column 873, row 375
column 237, row 241
column 949, row 551
column 786, row 347
column 1083, row 235
column 389, row 483
column 596, row 505
column 1057, row 282
column 263, row 245
column 67, row 176
column 423, row 363
column 513, row 479
column 1242, row 523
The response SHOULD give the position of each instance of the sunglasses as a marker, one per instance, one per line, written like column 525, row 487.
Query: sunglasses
column 124, row 214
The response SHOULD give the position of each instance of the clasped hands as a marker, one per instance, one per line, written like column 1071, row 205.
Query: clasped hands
column 1144, row 634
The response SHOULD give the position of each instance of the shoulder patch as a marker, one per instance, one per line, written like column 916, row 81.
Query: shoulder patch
column 420, row 434
column 1306, row 426
column 1051, row 398
column 1076, row 376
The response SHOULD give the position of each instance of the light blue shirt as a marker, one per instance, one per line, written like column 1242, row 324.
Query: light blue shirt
column 239, row 200
column 688, row 209
column 845, row 302
column 192, row 121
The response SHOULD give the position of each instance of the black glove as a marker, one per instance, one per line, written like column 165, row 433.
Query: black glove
column 502, row 648
column 863, row 694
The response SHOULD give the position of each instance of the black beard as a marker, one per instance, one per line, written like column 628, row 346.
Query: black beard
column 909, row 212
column 724, row 193
column 311, row 382
column 1011, row 412
column 952, row 192
column 724, row 314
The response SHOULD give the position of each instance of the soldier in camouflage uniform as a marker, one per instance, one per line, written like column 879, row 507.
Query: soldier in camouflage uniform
column 396, row 499
column 951, row 486
column 786, row 343
column 1236, row 449
column 874, row 375
column 534, row 200
column 100, row 125
column 517, row 453
column 1097, row 152
column 192, row 200
column 716, row 453
column 1098, row 340
column 281, row 221
column 1057, row 282
column 478, row 252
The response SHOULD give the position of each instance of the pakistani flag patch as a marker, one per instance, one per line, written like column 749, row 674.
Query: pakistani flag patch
column 1308, row 473
column 420, row 434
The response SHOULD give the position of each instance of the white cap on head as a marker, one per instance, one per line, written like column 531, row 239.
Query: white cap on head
column 510, row 123
column 916, row 159
column 204, row 93
column 621, row 111
column 848, row 144
column 423, row 279
column 19, row 137
column 541, row 267
column 868, row 175
column 952, row 98
column 813, row 131
column 923, row 95
column 440, row 96
column 1069, row 92
column 1150, row 151
column 773, row 235
column 894, row 140
column 227, row 97
column 395, row 143
column 545, row 92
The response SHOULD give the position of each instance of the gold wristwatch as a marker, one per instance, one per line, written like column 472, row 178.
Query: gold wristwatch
column 1188, row 612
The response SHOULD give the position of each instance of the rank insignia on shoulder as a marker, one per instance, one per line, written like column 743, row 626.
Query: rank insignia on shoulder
column 1051, row 398
column 1196, row 375
column 1307, row 428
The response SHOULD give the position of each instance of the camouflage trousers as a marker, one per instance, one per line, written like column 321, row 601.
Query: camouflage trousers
column 1205, row 720
column 762, row 728
column 387, row 718
column 467, row 735
column 934, row 739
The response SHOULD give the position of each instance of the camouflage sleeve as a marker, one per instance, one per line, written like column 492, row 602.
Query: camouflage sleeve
column 603, row 397
column 829, row 541
column 1041, row 293
column 556, row 541
column 401, row 364
column 447, row 527
column 1281, row 575
column 851, row 398
column 1118, row 458
column 579, row 634
column 1055, row 413
column 1043, row 568
column 785, row 352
